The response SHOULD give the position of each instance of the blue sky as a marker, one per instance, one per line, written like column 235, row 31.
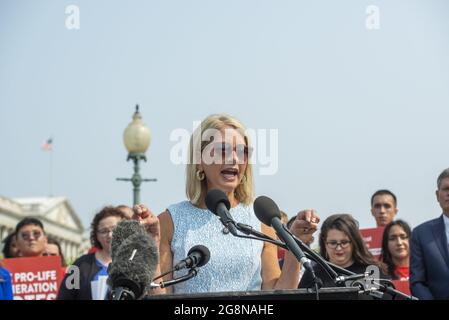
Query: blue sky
column 356, row 109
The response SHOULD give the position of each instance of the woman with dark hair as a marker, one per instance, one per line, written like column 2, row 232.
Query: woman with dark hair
column 53, row 248
column 10, row 249
column 396, row 249
column 342, row 245
column 93, row 266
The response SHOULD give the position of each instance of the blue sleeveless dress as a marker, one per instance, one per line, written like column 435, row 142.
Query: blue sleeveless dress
column 235, row 263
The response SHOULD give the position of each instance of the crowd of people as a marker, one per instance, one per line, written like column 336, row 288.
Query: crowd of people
column 420, row 257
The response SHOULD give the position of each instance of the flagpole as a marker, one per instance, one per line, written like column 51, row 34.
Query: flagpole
column 48, row 146
column 51, row 173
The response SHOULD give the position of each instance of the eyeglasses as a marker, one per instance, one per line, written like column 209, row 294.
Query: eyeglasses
column 224, row 150
column 334, row 244
column 36, row 234
column 105, row 232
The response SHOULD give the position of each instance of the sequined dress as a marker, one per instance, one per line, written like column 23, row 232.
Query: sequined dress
column 235, row 263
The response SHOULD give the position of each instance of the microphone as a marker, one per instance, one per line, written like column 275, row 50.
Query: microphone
column 197, row 256
column 342, row 279
column 164, row 284
column 217, row 202
column 135, row 257
column 268, row 213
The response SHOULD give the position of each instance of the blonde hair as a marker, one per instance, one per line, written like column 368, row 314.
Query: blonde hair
column 284, row 217
column 195, row 189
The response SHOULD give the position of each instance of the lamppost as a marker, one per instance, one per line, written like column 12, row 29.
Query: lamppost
column 137, row 138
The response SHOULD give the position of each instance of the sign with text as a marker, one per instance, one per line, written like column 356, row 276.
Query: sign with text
column 373, row 239
column 35, row 278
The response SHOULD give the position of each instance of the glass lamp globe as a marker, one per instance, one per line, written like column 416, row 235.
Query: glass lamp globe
column 137, row 136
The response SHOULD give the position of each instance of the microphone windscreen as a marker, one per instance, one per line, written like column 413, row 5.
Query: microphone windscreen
column 266, row 209
column 204, row 254
column 135, row 257
column 122, row 231
column 214, row 197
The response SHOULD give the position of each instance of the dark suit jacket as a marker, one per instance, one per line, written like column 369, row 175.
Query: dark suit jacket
column 88, row 268
column 429, row 262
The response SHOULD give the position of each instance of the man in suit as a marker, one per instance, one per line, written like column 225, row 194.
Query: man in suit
column 429, row 265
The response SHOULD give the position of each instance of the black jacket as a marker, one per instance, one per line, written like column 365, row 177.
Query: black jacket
column 88, row 268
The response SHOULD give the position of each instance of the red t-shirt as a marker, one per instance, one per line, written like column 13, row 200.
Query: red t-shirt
column 281, row 253
column 403, row 273
column 93, row 250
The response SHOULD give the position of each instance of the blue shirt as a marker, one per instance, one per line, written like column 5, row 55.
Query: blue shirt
column 5, row 285
column 103, row 271
column 98, row 283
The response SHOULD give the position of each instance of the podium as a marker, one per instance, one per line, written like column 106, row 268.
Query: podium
column 338, row 293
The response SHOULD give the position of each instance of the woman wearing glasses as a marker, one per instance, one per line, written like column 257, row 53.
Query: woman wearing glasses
column 219, row 156
column 93, row 266
column 396, row 249
column 341, row 244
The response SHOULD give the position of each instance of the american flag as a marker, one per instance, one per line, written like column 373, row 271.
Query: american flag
column 47, row 145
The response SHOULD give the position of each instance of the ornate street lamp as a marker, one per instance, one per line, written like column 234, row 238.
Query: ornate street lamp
column 137, row 139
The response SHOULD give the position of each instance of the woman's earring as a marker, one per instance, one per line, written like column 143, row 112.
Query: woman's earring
column 200, row 175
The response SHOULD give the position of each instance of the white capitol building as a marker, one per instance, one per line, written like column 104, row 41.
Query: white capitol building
column 56, row 213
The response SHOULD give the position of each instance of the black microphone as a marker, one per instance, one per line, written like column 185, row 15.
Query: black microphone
column 198, row 256
column 135, row 257
column 218, row 203
column 268, row 213
column 342, row 279
column 164, row 284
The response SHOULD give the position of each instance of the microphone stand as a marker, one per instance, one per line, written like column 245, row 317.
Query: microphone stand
column 256, row 235
column 163, row 284
column 391, row 291
column 122, row 294
column 329, row 267
column 326, row 265
column 312, row 255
